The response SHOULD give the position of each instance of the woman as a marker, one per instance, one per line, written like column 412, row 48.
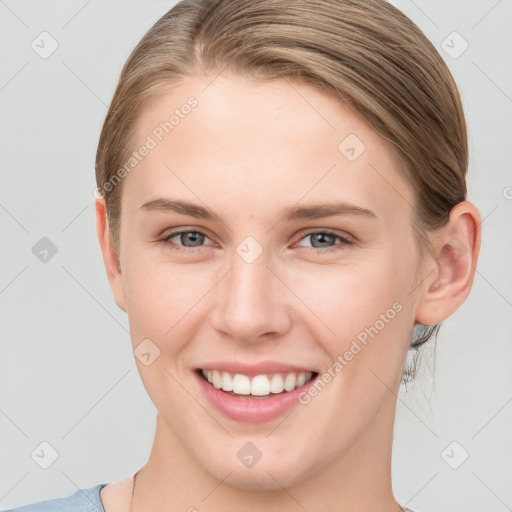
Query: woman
column 282, row 214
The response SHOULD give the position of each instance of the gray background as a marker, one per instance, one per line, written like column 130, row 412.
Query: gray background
column 68, row 375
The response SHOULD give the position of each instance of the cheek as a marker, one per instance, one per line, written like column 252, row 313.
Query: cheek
column 365, row 317
column 163, row 304
column 162, row 299
column 346, row 299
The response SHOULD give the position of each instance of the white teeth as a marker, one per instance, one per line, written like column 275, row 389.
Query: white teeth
column 241, row 384
column 259, row 385
column 289, row 382
column 217, row 379
column 276, row 384
column 227, row 381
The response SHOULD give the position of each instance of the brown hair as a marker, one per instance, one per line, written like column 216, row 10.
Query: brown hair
column 366, row 53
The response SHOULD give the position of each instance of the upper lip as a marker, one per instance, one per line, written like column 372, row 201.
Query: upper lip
column 267, row 367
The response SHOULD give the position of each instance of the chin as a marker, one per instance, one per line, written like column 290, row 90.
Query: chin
column 271, row 474
column 260, row 480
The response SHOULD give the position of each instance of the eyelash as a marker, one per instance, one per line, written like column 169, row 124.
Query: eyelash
column 172, row 245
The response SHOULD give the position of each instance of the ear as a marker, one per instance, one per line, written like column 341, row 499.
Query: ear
column 450, row 269
column 110, row 259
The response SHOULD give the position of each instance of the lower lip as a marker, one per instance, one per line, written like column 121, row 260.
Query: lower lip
column 251, row 410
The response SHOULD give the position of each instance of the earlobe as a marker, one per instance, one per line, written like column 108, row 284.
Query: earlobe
column 450, row 268
column 112, row 265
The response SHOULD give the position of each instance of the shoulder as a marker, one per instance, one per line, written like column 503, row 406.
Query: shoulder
column 83, row 500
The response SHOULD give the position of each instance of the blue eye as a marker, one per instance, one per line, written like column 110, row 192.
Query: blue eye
column 326, row 237
column 193, row 241
column 196, row 239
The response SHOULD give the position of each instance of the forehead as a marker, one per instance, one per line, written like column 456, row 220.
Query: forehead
column 235, row 141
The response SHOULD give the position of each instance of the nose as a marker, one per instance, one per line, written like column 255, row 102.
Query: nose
column 251, row 302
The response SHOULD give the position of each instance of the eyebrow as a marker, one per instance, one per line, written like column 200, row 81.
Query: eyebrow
column 319, row 211
column 178, row 206
column 307, row 212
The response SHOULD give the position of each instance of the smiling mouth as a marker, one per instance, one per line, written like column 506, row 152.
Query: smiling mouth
column 258, row 386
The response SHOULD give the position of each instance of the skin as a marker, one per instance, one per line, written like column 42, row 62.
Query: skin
column 247, row 151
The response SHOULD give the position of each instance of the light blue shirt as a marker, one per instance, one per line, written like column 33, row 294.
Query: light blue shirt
column 84, row 500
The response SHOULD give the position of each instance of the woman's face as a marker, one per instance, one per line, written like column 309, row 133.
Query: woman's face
column 307, row 266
